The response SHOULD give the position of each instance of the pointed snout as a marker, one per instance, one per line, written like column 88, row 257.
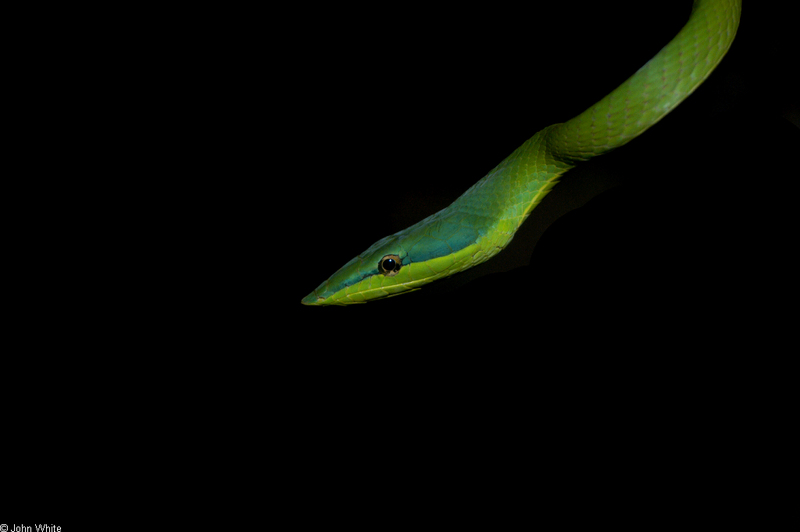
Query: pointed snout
column 311, row 299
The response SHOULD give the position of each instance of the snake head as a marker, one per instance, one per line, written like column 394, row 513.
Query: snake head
column 370, row 275
column 436, row 247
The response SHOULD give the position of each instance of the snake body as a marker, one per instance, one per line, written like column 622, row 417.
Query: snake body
column 482, row 221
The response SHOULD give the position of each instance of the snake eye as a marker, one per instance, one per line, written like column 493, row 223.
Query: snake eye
column 389, row 265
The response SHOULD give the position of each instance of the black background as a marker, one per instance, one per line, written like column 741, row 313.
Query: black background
column 640, row 304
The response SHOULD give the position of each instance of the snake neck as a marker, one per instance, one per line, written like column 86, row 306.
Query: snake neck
column 501, row 201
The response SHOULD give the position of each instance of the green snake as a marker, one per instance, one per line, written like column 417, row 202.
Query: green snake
column 482, row 221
